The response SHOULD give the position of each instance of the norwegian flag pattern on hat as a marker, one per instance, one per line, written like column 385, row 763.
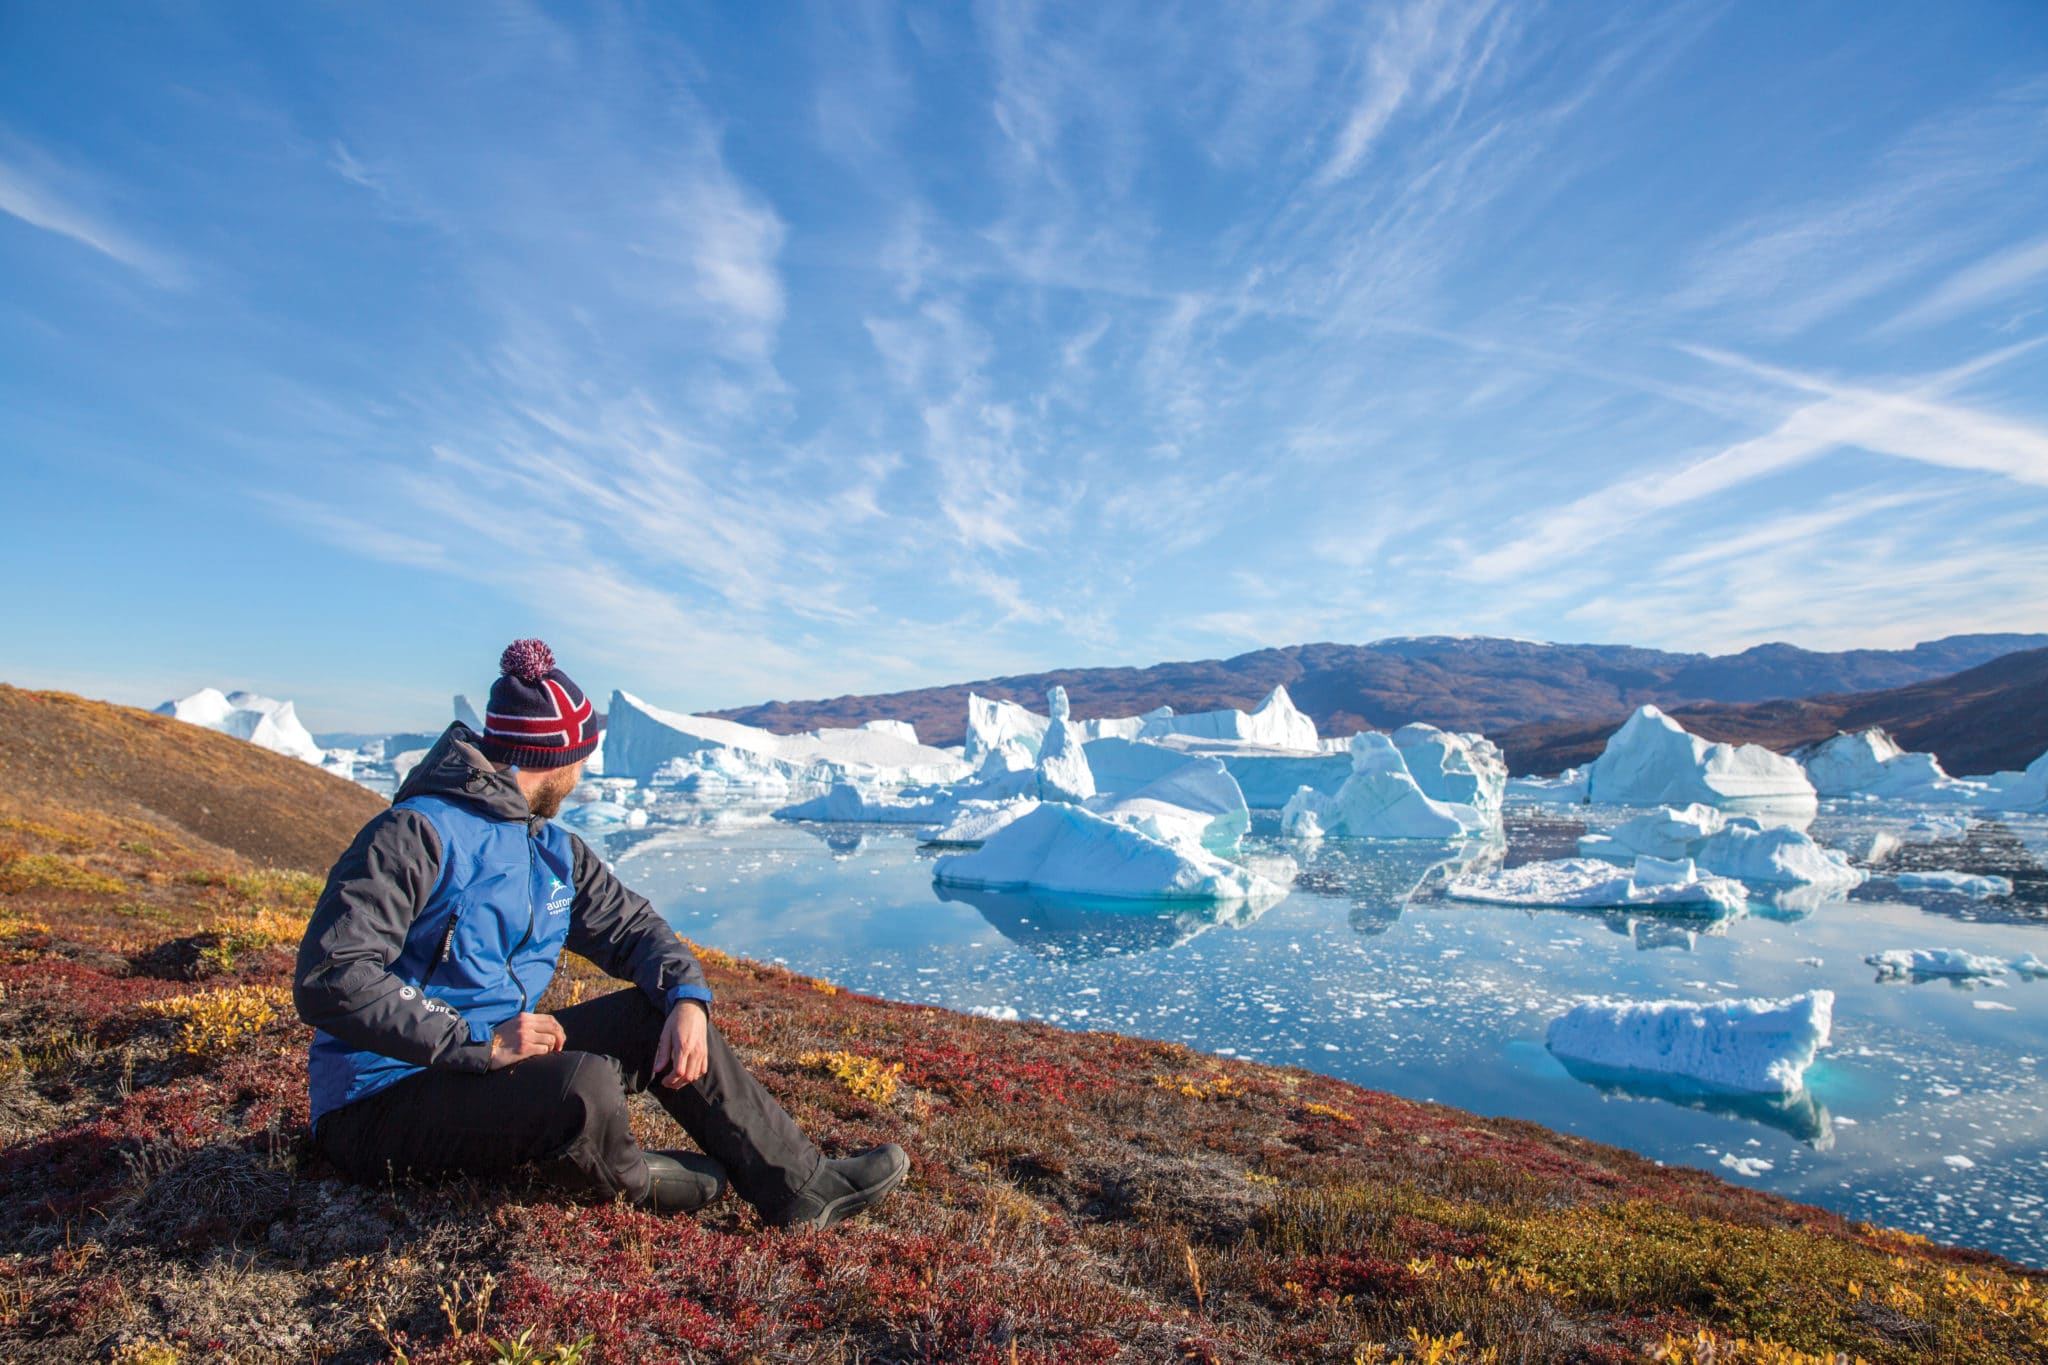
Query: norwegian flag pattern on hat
column 537, row 717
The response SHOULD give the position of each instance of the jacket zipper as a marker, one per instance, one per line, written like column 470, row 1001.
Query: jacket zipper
column 512, row 958
column 447, row 949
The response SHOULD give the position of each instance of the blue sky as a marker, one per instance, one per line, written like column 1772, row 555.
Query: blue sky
column 778, row 351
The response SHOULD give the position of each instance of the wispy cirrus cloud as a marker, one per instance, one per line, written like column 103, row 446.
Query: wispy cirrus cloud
column 36, row 190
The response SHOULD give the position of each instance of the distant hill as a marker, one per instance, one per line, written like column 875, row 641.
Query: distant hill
column 1463, row 683
column 222, row 792
column 1981, row 720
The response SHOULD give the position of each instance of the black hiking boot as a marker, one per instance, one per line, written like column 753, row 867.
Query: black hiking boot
column 843, row 1188
column 682, row 1182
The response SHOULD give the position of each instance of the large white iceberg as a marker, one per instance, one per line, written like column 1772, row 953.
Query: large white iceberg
column 1275, row 723
column 1739, row 848
column 2020, row 791
column 849, row 804
column 1760, row 1047
column 1588, row 883
column 724, row 772
column 1568, row 788
column 1652, row 761
column 1198, row 791
column 640, row 738
column 263, row 721
column 1456, row 769
column 992, row 723
column 1870, row 763
column 974, row 821
column 1267, row 777
column 901, row 729
column 1071, row 850
column 466, row 713
column 1380, row 800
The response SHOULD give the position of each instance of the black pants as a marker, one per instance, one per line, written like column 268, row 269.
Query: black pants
column 565, row 1113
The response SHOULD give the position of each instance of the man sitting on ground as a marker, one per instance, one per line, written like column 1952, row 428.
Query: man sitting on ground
column 438, row 931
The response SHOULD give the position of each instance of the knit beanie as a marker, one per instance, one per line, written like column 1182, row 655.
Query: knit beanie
column 536, row 717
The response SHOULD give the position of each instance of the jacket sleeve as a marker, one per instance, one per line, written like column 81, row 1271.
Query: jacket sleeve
column 619, row 931
column 344, row 983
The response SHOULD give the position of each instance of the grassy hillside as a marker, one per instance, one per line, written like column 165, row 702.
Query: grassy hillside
column 1074, row 1197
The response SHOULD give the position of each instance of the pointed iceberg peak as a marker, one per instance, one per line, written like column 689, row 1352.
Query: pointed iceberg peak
column 1056, row 702
column 466, row 713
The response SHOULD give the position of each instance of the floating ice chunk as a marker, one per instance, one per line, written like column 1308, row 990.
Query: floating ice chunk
column 1961, row 883
column 1747, row 1166
column 591, row 815
column 975, row 821
column 2027, row 964
column 1063, row 772
column 1933, row 962
column 263, row 721
column 1781, row 857
column 901, row 729
column 1380, row 800
column 1665, row 833
column 1275, row 723
column 723, row 771
column 1456, row 769
column 1930, row 828
column 849, row 804
column 1568, row 788
column 1652, row 761
column 1870, row 763
column 1749, row 1046
column 1590, row 883
column 1065, row 848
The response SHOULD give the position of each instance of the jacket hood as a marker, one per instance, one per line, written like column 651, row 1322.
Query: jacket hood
column 455, row 769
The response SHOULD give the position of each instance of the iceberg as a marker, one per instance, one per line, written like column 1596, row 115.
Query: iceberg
column 1276, row 723
column 2017, row 791
column 1759, row 1047
column 594, row 815
column 724, row 772
column 848, row 804
column 1063, row 772
column 466, row 713
column 991, row 724
column 1961, row 883
column 1068, row 849
column 1568, row 788
column 1652, row 761
column 1779, row 857
column 901, row 729
column 975, row 821
column 1456, row 769
column 1586, row 883
column 639, row 738
column 1379, row 800
column 263, row 721
column 1897, row 962
column 1665, row 833
column 1200, row 791
column 1870, row 763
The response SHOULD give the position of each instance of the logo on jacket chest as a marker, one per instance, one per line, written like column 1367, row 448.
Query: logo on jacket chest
column 559, row 896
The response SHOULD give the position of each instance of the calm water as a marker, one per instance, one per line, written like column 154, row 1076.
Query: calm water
column 1926, row 1113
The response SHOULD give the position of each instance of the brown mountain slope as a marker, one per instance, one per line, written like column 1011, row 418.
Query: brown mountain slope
column 214, row 789
column 1458, row 682
column 1982, row 720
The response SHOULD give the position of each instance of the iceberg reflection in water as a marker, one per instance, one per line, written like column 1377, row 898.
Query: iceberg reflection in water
column 1079, row 929
column 1800, row 1115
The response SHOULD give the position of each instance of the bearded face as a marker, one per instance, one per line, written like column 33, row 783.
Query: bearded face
column 547, row 798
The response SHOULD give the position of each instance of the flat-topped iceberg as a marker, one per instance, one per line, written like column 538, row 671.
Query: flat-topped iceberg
column 1381, row 799
column 1275, row 723
column 1895, row 962
column 1870, row 763
column 1977, row 886
column 639, row 738
column 1652, row 761
column 846, row 803
column 1588, row 883
column 1758, row 1047
column 1074, row 851
column 263, row 721
column 1568, row 788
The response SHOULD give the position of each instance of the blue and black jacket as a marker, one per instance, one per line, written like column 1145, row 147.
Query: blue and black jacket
column 446, row 917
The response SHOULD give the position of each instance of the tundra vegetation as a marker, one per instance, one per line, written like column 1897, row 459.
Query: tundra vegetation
column 1075, row 1196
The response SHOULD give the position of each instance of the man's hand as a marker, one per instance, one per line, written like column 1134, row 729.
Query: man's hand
column 523, row 1036
column 681, row 1056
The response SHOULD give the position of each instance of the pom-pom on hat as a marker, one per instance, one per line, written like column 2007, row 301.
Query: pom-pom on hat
column 536, row 717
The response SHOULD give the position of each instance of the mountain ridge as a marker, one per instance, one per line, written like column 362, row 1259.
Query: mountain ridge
column 1486, row 683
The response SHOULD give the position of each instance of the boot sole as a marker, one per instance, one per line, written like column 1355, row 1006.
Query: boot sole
column 848, row 1204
